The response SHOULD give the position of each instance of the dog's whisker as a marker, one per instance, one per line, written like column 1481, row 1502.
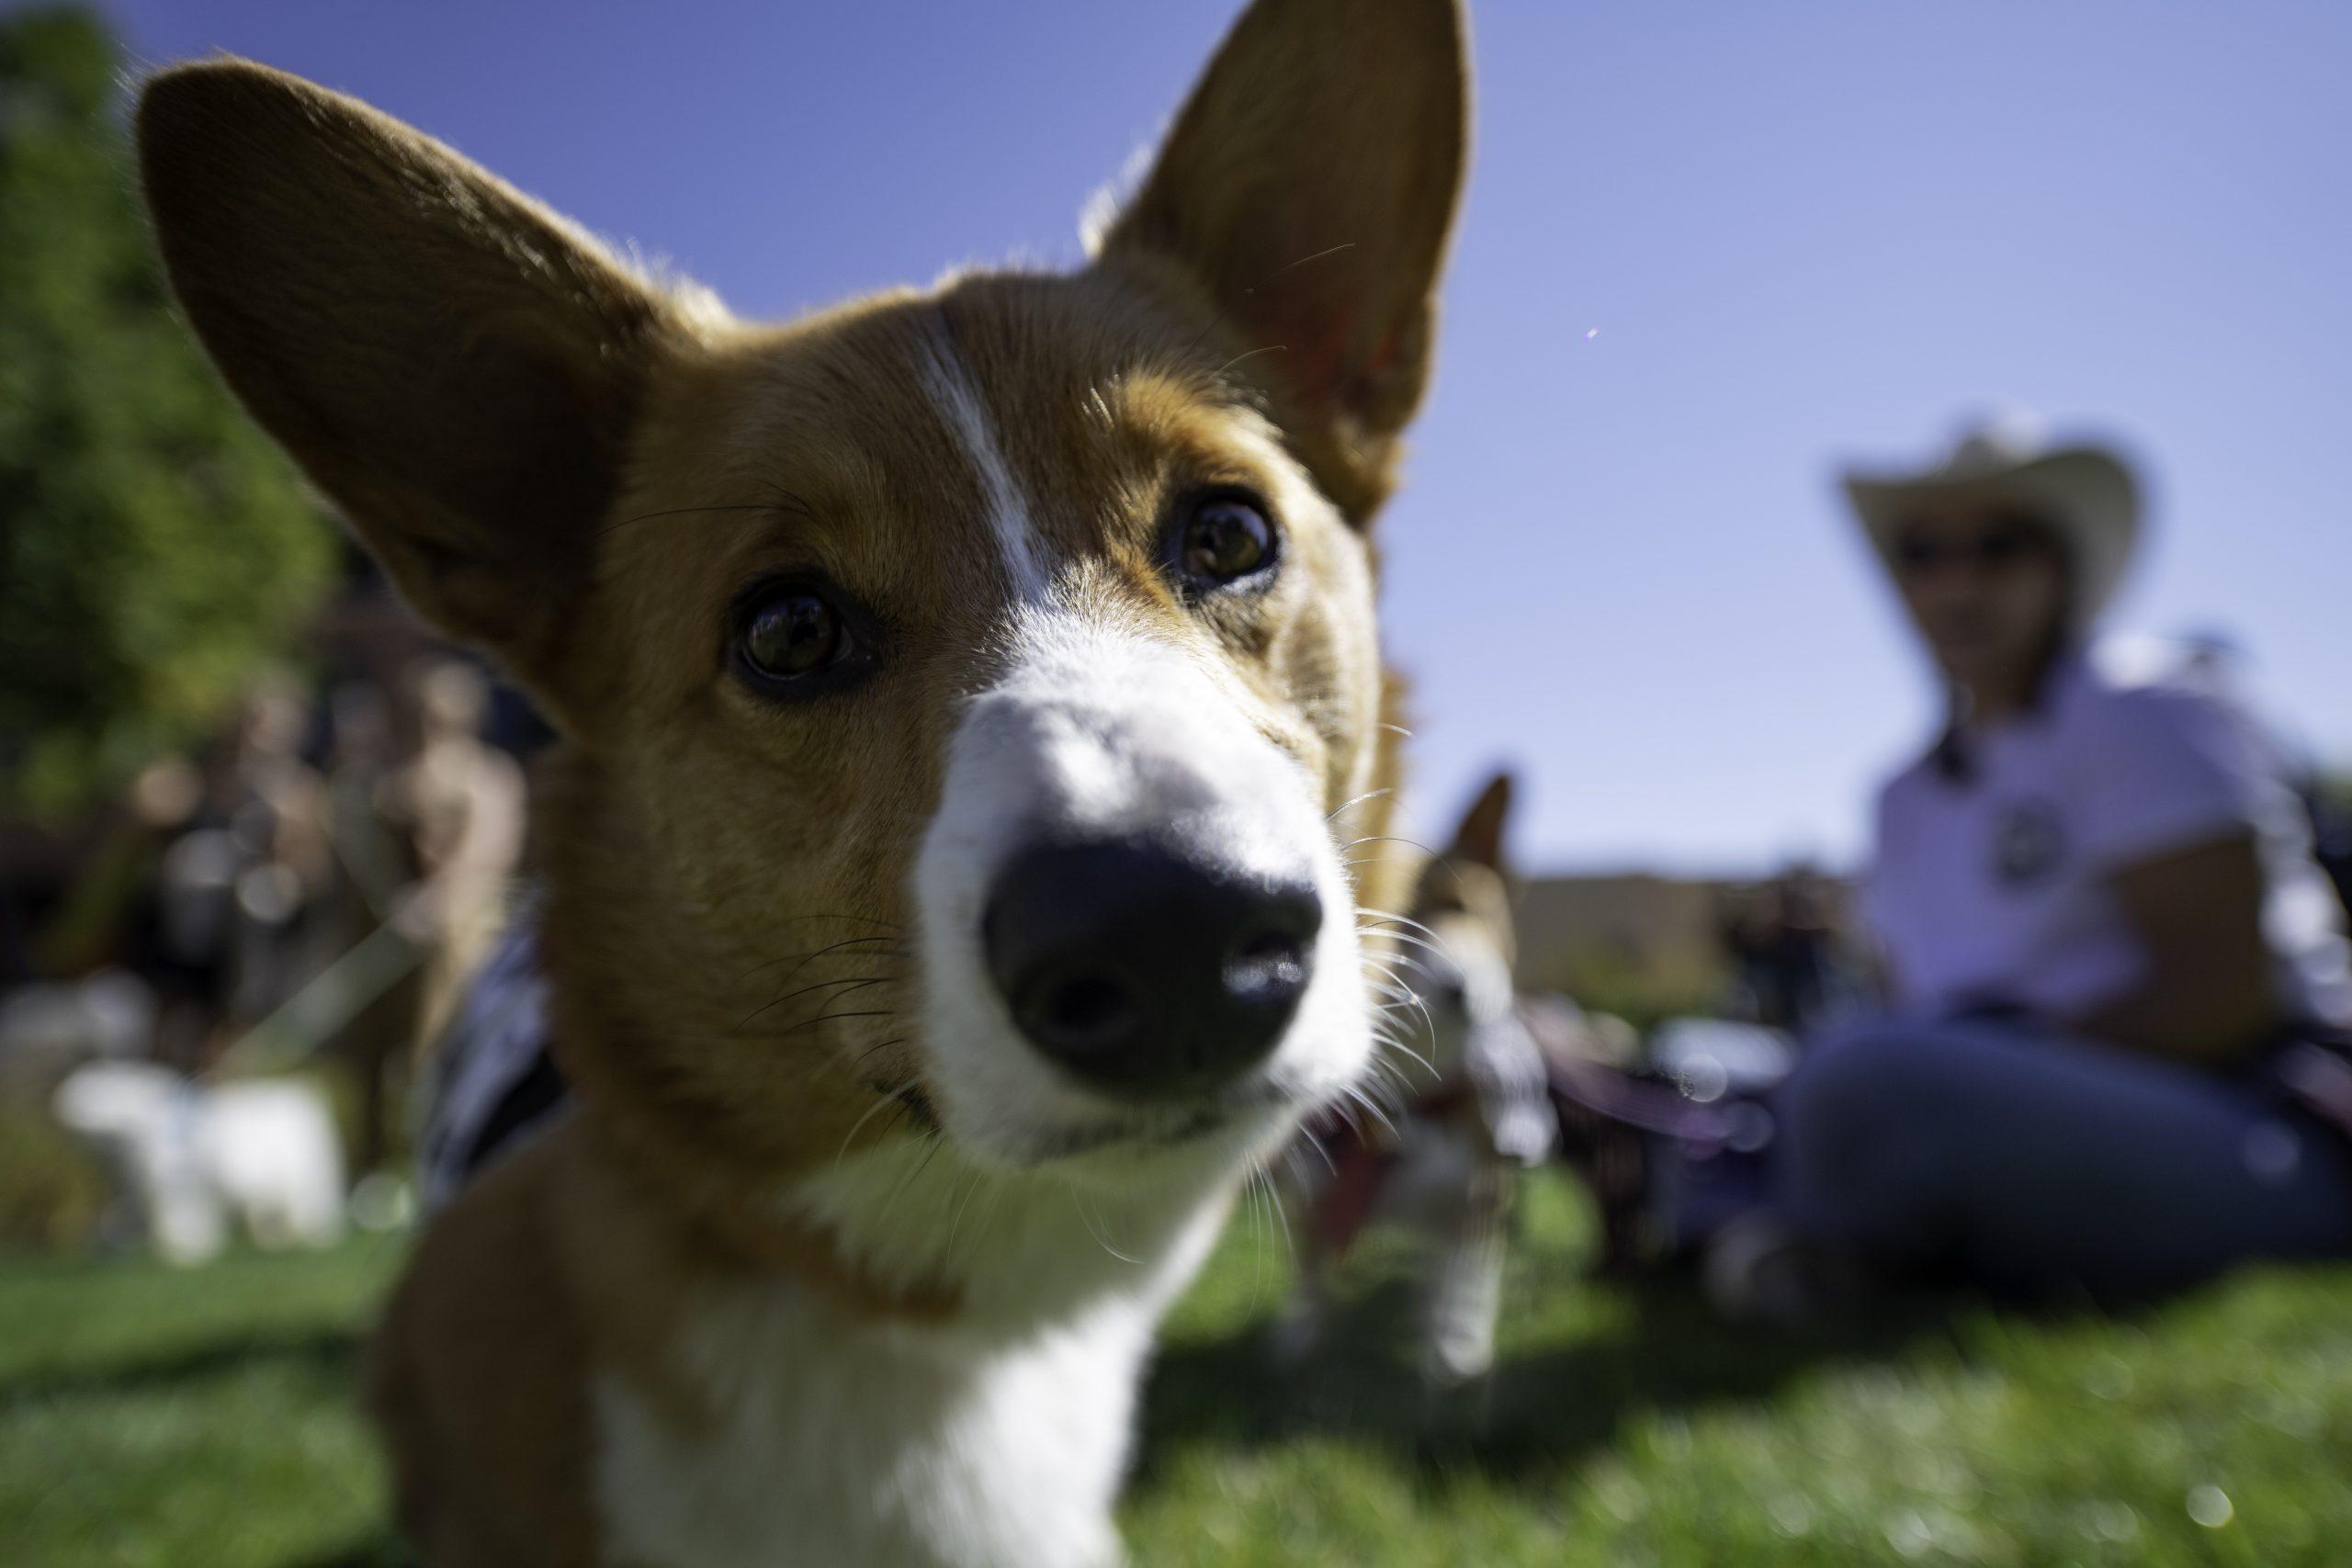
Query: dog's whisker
column 860, row 919
column 851, row 982
column 1371, row 919
column 879, row 946
column 1388, row 1082
column 1391, row 983
column 1249, row 1195
column 1077, row 1198
column 821, row 1018
column 791, row 1028
column 970, row 1185
column 873, row 1051
column 1398, row 1047
column 1252, row 353
column 1388, row 838
column 1366, row 1100
column 1368, row 794
column 907, row 1178
column 880, row 1106
column 1265, row 1174
column 1401, row 996
column 980, row 1227
column 1431, row 943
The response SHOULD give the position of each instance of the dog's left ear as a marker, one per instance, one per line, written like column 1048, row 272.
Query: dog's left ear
column 1308, row 189
column 457, row 367
column 1480, row 838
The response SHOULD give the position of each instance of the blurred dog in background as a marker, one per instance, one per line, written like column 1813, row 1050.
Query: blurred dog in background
column 1469, row 1108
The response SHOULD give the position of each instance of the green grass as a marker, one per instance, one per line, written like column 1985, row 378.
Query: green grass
column 154, row 1416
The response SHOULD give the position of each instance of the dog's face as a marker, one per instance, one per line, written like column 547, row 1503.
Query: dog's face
column 958, row 686
column 1457, row 961
column 997, row 736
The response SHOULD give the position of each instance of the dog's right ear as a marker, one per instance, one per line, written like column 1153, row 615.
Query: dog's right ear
column 457, row 367
column 1308, row 191
column 1479, row 840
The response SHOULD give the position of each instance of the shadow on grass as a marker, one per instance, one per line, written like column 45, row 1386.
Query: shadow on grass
column 1542, row 1408
column 329, row 1354
column 381, row 1550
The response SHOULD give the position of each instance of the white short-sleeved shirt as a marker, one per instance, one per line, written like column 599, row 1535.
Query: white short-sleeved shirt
column 1994, row 887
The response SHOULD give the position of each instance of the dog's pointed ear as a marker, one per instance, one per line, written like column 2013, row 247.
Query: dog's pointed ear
column 1479, row 840
column 453, row 366
column 1308, row 190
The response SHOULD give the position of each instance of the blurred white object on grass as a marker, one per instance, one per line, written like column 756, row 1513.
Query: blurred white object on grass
column 195, row 1164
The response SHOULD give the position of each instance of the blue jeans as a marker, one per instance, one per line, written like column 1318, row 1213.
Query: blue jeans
column 2029, row 1161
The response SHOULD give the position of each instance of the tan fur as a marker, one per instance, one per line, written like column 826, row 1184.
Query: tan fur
column 580, row 471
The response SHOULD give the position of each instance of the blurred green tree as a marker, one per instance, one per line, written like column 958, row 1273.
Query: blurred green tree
column 154, row 547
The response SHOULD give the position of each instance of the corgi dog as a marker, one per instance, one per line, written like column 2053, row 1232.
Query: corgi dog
column 1469, row 1106
column 964, row 693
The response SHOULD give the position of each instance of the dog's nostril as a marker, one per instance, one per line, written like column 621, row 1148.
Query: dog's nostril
column 1081, row 1012
column 1267, row 967
column 1142, row 972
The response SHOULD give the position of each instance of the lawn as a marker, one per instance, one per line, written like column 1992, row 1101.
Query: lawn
column 151, row 1417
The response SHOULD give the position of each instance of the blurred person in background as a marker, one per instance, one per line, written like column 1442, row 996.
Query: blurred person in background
column 205, row 883
column 272, row 803
column 375, row 860
column 2112, row 1054
column 461, row 803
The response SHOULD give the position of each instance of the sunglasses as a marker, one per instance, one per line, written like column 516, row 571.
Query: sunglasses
column 1997, row 548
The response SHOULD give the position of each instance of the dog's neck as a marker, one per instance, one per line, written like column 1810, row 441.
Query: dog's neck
column 902, row 1234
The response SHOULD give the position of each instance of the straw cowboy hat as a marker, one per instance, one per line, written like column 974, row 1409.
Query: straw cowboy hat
column 2085, row 493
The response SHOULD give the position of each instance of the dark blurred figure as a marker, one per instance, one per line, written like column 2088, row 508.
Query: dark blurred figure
column 1782, row 942
column 245, row 861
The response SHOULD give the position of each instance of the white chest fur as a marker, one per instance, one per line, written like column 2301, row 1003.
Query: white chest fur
column 828, row 1440
column 883, row 1445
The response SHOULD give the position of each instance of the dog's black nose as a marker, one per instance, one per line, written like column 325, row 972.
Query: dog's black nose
column 1145, row 974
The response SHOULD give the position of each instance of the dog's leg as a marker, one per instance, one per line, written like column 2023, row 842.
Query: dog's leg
column 1466, row 1285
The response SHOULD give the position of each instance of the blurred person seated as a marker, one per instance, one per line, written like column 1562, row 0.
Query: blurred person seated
column 2112, row 1057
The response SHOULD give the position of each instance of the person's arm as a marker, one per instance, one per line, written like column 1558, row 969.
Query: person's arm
column 2207, row 996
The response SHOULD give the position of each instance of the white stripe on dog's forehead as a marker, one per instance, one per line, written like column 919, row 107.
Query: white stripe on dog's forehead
column 950, row 385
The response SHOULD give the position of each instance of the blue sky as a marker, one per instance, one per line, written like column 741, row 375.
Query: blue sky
column 1708, row 250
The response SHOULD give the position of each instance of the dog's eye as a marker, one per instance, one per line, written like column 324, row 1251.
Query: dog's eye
column 1225, row 539
column 791, row 634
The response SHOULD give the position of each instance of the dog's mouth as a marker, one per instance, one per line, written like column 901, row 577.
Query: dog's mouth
column 1240, row 1112
column 1143, row 1129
